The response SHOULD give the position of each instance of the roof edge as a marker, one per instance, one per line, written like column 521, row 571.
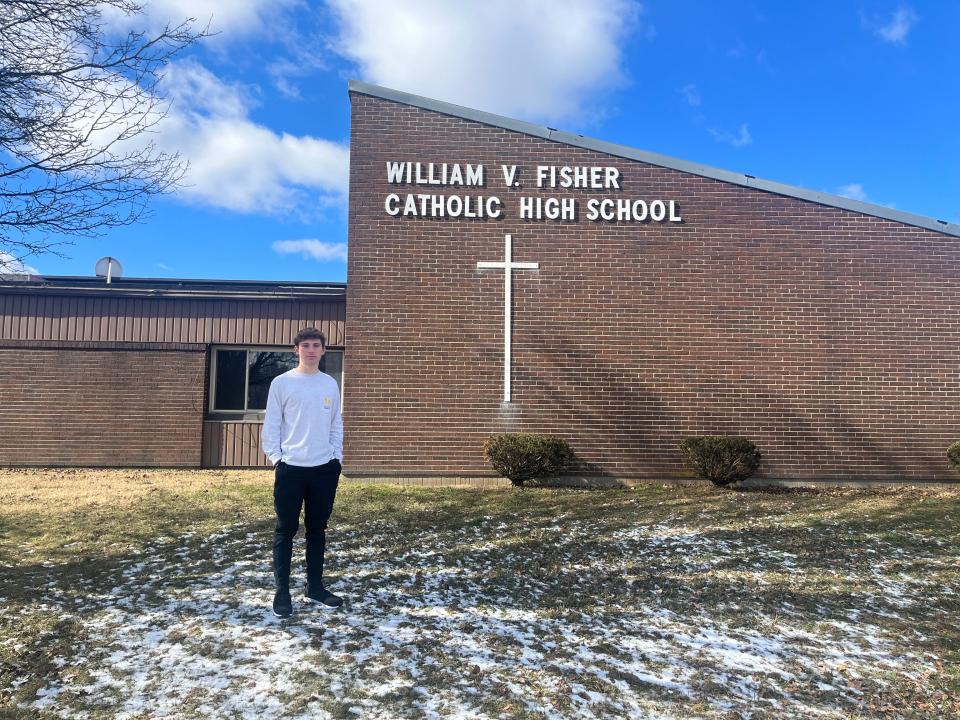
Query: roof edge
column 631, row 153
column 167, row 287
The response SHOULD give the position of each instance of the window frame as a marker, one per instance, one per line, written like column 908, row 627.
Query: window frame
column 247, row 415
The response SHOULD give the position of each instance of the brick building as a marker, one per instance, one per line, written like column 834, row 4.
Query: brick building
column 652, row 299
column 674, row 299
column 149, row 372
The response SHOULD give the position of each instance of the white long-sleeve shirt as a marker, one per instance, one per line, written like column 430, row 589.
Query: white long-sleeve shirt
column 303, row 425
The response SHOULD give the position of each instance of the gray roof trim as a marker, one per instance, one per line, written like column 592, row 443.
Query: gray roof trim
column 172, row 288
column 630, row 153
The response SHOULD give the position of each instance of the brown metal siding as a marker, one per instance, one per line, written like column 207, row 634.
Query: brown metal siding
column 133, row 319
column 232, row 444
column 53, row 322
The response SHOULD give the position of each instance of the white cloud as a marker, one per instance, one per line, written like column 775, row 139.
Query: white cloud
column 690, row 94
column 301, row 51
column 238, row 164
column 234, row 163
column 854, row 191
column 899, row 27
column 538, row 59
column 231, row 19
column 10, row 265
column 192, row 87
column 283, row 72
column 743, row 52
column 738, row 50
column 305, row 56
column 895, row 29
column 742, row 138
column 313, row 249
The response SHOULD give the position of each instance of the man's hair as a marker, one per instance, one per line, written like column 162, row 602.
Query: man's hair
column 310, row 333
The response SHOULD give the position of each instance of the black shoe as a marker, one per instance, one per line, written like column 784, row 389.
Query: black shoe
column 282, row 605
column 324, row 597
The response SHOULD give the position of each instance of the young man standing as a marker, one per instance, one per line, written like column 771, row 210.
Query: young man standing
column 303, row 437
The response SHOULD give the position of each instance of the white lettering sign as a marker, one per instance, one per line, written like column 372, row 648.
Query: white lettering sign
column 532, row 208
column 416, row 173
column 451, row 206
column 595, row 178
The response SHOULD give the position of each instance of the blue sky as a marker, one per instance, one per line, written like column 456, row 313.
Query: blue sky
column 858, row 99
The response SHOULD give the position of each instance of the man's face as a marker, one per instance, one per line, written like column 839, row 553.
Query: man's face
column 310, row 351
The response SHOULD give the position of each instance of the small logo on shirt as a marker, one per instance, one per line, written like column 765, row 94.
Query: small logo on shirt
column 327, row 402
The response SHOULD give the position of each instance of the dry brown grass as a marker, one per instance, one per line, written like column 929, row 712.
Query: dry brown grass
column 69, row 489
column 66, row 514
column 68, row 537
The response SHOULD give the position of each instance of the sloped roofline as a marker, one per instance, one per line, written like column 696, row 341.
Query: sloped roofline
column 547, row 133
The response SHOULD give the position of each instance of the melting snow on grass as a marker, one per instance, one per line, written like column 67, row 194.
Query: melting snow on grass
column 485, row 621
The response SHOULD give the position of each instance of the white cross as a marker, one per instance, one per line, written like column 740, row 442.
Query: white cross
column 508, row 266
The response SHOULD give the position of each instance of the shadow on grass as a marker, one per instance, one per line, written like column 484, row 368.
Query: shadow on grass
column 580, row 550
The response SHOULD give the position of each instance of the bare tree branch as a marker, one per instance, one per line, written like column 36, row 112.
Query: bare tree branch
column 77, row 106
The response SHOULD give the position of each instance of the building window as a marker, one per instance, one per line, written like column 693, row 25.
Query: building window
column 240, row 377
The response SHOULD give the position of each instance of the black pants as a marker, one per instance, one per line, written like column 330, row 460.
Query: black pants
column 313, row 488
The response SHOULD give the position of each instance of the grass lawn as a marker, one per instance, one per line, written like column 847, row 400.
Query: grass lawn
column 146, row 594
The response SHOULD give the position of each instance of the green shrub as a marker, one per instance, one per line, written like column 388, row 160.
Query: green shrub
column 721, row 459
column 953, row 455
column 525, row 456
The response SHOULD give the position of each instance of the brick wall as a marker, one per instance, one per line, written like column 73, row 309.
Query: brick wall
column 100, row 407
column 829, row 337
